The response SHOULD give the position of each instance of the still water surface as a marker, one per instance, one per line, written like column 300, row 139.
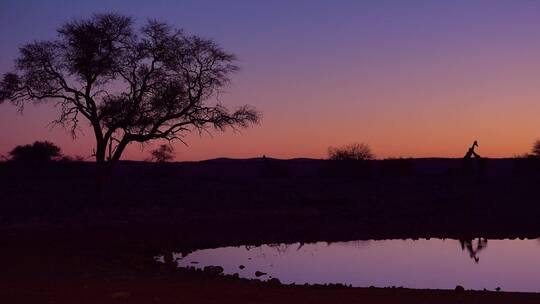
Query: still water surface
column 513, row 265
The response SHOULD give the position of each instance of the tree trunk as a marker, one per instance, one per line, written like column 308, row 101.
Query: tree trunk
column 101, row 146
column 119, row 150
column 102, row 172
column 104, row 166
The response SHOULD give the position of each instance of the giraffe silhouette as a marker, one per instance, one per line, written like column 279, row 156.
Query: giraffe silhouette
column 467, row 166
column 470, row 153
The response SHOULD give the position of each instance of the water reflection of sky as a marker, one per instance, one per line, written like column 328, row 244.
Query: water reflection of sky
column 514, row 265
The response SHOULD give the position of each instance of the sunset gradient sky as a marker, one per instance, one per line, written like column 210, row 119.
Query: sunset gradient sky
column 410, row 78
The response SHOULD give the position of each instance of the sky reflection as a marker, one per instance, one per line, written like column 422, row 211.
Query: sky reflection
column 514, row 265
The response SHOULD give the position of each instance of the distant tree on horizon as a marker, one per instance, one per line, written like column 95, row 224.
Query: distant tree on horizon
column 536, row 149
column 130, row 86
column 354, row 151
column 38, row 152
column 162, row 154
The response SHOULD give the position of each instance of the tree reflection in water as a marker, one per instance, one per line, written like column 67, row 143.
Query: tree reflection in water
column 474, row 251
column 473, row 247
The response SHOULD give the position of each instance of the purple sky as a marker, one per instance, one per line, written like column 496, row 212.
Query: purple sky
column 410, row 78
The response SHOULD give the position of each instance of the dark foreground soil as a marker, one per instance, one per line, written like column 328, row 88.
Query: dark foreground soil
column 63, row 241
column 190, row 289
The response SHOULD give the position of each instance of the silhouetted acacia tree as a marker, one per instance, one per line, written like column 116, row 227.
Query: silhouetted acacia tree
column 131, row 87
column 162, row 154
column 38, row 152
column 355, row 151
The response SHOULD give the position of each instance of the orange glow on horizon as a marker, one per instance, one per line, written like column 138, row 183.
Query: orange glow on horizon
column 409, row 80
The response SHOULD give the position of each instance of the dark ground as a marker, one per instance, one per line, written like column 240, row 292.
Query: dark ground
column 64, row 242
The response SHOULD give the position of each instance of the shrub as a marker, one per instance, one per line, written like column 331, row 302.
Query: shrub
column 75, row 158
column 162, row 154
column 355, row 151
column 38, row 152
column 536, row 149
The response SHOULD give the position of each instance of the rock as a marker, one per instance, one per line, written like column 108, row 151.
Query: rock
column 274, row 281
column 241, row 266
column 498, row 288
column 459, row 288
column 259, row 273
column 235, row 275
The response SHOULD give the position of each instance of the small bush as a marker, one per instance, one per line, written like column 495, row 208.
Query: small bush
column 355, row 151
column 38, row 152
column 349, row 161
column 162, row 154
column 536, row 149
column 75, row 158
